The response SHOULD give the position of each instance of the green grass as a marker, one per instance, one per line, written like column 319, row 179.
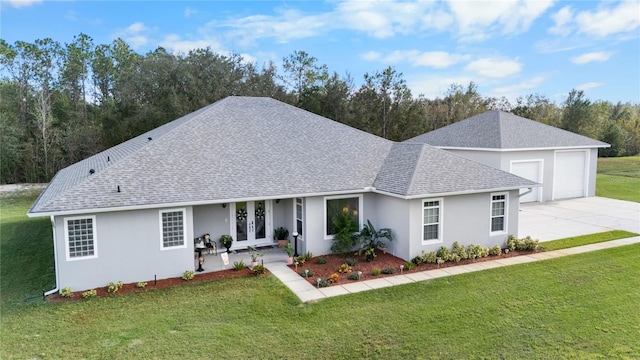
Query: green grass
column 619, row 178
column 585, row 240
column 582, row 306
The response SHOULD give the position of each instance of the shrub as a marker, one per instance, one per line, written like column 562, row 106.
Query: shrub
column 334, row 277
column 376, row 271
column 343, row 227
column 417, row 260
column 495, row 250
column 454, row 257
column 66, row 292
column 429, row 257
column 323, row 282
column 389, row 270
column 409, row 265
column 354, row 276
column 90, row 294
column 478, row 250
column 141, row 284
column 239, row 265
column 258, row 269
column 511, row 242
column 308, row 256
column 460, row 251
column 369, row 239
column 350, row 261
column 527, row 244
column 188, row 275
column 307, row 273
column 321, row 261
column 443, row 253
column 113, row 287
column 300, row 260
column 344, row 268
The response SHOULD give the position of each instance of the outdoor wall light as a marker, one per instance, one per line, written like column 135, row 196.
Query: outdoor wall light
column 224, row 205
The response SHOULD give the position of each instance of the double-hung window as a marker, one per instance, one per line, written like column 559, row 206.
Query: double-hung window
column 80, row 238
column 299, row 216
column 432, row 221
column 172, row 229
column 499, row 213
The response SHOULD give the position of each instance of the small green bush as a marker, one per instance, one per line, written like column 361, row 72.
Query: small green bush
column 66, row 292
column 141, row 284
column 443, row 253
column 454, row 258
column 321, row 261
column 527, row 244
column 429, row 257
column 495, row 250
column 511, row 242
column 389, row 270
column 188, row 275
column 90, row 294
column 308, row 256
column 259, row 269
column 417, row 260
column 306, row 274
column 409, row 265
column 323, row 282
column 350, row 261
column 460, row 251
column 376, row 271
column 478, row 250
column 113, row 287
column 239, row 265
column 354, row 276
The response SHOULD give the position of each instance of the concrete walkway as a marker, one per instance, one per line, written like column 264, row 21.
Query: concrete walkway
column 309, row 293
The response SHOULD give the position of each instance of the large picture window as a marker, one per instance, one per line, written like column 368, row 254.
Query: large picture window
column 498, row 213
column 80, row 236
column 335, row 207
column 172, row 229
column 432, row 221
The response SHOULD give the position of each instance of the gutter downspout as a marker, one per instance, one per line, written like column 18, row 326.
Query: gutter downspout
column 55, row 260
column 529, row 190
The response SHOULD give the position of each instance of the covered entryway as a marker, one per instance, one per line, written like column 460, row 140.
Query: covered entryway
column 251, row 223
column 570, row 174
column 530, row 170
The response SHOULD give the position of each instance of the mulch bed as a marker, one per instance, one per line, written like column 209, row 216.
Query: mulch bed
column 159, row 284
column 382, row 260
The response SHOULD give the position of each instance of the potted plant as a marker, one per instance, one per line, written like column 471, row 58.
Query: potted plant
column 282, row 235
column 289, row 250
column 255, row 255
column 226, row 240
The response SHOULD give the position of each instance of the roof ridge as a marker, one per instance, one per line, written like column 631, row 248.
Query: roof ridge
column 415, row 165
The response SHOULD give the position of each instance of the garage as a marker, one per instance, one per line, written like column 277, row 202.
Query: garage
column 570, row 174
column 530, row 170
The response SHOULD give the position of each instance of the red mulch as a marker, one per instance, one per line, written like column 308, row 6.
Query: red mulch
column 382, row 260
column 160, row 284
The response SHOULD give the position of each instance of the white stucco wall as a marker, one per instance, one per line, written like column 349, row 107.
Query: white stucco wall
column 128, row 245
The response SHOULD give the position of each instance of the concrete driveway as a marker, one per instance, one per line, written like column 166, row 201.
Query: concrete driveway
column 565, row 218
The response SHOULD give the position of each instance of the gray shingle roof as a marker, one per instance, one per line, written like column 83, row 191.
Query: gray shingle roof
column 413, row 169
column 248, row 147
column 503, row 130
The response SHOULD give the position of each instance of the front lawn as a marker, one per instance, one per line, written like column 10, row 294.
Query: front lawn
column 619, row 178
column 586, row 239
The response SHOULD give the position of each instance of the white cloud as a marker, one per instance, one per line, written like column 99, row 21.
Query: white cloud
column 477, row 20
column 562, row 21
column 370, row 55
column 21, row 3
column 589, row 85
column 515, row 90
column 435, row 86
column 136, row 34
column 176, row 44
column 189, row 11
column 434, row 59
column 590, row 57
column 494, row 67
column 607, row 21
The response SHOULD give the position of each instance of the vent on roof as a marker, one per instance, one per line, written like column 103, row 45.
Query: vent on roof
column 118, row 188
column 91, row 171
column 149, row 138
column 108, row 158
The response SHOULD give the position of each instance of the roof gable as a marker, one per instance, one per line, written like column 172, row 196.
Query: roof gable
column 503, row 130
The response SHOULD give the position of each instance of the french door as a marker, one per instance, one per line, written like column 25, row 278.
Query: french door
column 251, row 222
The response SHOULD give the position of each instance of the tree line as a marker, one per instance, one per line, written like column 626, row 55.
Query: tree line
column 60, row 103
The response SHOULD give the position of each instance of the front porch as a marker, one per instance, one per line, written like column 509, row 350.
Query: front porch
column 213, row 262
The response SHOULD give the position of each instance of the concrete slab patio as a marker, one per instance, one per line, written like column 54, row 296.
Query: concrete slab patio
column 547, row 221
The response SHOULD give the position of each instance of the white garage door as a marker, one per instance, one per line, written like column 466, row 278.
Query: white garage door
column 530, row 170
column 569, row 180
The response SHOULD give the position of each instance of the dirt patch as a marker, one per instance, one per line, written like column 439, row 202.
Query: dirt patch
column 383, row 260
column 159, row 284
column 8, row 188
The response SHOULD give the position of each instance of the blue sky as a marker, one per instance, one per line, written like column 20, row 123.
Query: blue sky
column 508, row 48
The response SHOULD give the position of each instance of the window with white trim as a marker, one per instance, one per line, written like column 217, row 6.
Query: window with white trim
column 172, row 229
column 432, row 221
column 80, row 238
column 335, row 205
column 498, row 213
column 299, row 210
